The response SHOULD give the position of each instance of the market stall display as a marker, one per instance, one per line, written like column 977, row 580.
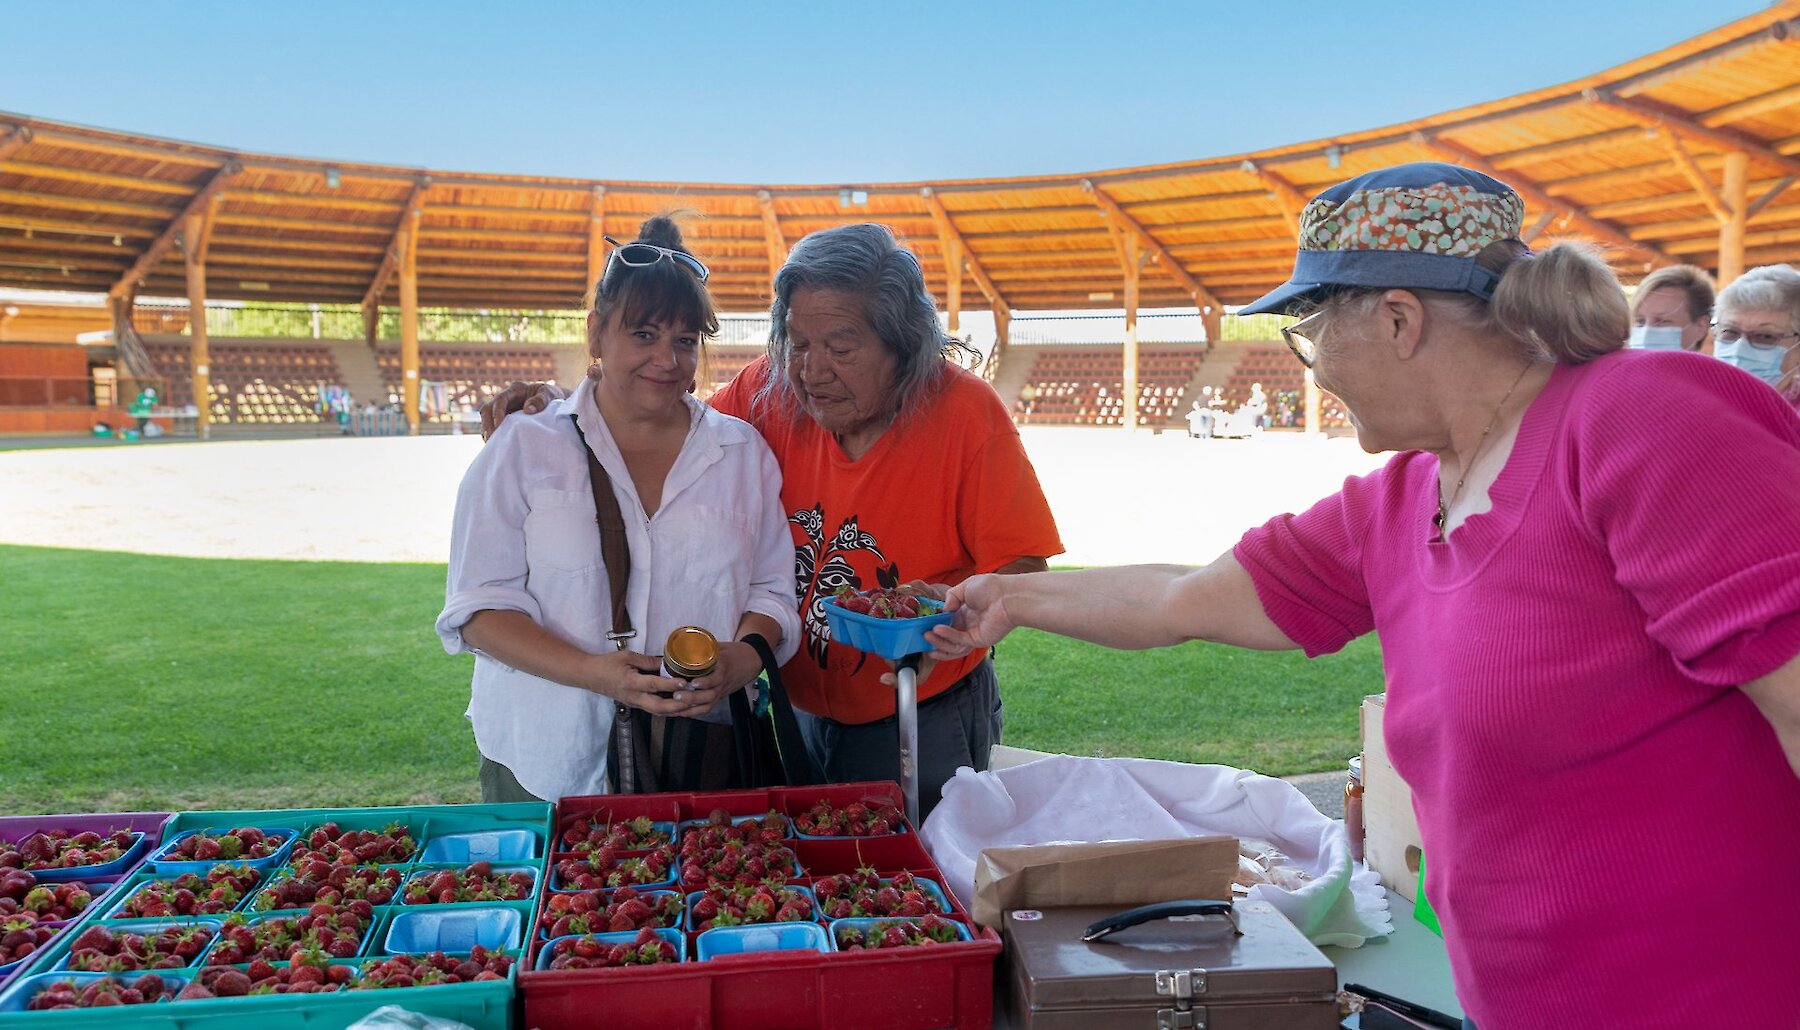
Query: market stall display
column 754, row 946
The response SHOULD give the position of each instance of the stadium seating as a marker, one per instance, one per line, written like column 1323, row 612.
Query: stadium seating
column 256, row 383
column 1084, row 386
column 1284, row 380
column 470, row 374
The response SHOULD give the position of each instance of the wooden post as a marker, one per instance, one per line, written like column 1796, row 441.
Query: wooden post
column 773, row 238
column 1737, row 204
column 596, row 245
column 1133, row 254
column 1211, row 318
column 1002, row 335
column 409, row 324
column 1315, row 419
column 196, row 231
column 953, row 274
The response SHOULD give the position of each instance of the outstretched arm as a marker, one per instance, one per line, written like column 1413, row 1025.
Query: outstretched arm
column 1130, row 607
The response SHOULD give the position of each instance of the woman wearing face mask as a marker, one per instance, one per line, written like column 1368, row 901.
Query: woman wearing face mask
column 1759, row 327
column 1672, row 310
column 560, row 690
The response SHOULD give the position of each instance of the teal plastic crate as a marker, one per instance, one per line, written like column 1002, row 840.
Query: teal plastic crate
column 425, row 821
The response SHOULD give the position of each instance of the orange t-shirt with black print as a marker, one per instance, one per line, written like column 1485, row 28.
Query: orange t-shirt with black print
column 945, row 494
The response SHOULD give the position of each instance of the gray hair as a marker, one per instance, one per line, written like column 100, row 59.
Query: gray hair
column 1769, row 288
column 867, row 262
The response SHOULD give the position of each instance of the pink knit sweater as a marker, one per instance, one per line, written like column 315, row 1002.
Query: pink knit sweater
column 1613, row 831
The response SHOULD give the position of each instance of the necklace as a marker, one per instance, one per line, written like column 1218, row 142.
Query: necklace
column 1443, row 510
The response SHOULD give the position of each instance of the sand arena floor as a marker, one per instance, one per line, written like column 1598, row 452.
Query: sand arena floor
column 1117, row 498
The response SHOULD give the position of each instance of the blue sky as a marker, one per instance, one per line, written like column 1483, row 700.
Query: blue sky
column 751, row 91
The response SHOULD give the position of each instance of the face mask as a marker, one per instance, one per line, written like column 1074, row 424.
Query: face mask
column 1655, row 337
column 1762, row 362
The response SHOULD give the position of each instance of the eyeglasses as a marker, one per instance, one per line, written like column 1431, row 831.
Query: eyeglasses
column 1732, row 334
column 641, row 255
column 1302, row 337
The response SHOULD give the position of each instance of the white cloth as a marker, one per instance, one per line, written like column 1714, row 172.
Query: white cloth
column 1067, row 799
column 524, row 539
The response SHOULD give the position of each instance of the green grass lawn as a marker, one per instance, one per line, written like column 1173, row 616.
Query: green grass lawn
column 135, row 681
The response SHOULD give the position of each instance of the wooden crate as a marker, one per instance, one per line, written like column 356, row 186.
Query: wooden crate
column 1391, row 836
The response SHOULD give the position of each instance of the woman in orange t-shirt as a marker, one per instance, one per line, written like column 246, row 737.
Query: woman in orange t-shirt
column 897, row 466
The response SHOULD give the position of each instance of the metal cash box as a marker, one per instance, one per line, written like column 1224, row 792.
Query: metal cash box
column 1186, row 965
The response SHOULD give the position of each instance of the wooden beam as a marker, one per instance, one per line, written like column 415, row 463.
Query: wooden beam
column 1290, row 200
column 1709, row 194
column 773, row 237
column 282, row 197
column 1537, row 228
column 1774, row 190
column 124, row 182
column 68, row 203
column 1203, row 297
column 195, row 229
column 408, row 262
column 405, row 233
column 947, row 227
column 1737, row 207
column 14, row 141
column 140, row 269
column 1605, row 232
column 1132, row 250
column 596, row 242
column 1750, row 107
column 953, row 283
column 1683, row 124
column 1002, row 337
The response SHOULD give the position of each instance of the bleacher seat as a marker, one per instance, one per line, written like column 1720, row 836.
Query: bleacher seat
column 251, row 383
column 471, row 375
column 1085, row 386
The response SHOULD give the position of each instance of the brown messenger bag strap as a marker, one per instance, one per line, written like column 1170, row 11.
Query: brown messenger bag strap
column 615, row 552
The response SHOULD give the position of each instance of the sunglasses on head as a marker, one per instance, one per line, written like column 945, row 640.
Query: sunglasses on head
column 641, row 255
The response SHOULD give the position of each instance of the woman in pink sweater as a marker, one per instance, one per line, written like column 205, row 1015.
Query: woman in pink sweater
column 1597, row 706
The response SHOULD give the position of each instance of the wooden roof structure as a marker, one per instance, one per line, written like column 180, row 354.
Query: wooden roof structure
column 1665, row 158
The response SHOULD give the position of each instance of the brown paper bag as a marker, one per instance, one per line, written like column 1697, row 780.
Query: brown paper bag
column 1125, row 873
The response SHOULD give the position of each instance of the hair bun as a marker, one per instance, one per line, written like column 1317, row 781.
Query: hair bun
column 661, row 231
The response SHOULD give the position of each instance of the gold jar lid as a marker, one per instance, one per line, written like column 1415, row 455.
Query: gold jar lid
column 690, row 652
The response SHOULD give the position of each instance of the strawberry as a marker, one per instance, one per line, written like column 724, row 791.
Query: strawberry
column 637, row 834
column 63, row 849
column 476, row 882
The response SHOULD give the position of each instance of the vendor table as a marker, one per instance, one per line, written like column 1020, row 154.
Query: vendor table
column 1409, row 963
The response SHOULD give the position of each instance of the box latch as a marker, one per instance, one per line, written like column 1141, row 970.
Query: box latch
column 1182, row 986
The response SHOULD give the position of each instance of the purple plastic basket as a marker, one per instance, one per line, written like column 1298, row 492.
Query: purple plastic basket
column 150, row 824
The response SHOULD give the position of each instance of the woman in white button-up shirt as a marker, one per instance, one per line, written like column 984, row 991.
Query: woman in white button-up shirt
column 699, row 492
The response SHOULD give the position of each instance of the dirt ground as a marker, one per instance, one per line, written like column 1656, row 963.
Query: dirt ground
column 1117, row 498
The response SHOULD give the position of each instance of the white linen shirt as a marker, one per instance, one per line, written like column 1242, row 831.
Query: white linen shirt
column 524, row 538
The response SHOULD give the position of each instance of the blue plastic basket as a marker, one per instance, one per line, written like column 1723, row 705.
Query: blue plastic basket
column 144, row 928
column 557, row 883
column 499, row 870
column 455, row 930
column 863, row 923
column 685, row 825
column 366, row 944
column 117, row 901
column 932, row 889
column 721, row 941
column 547, row 953
column 888, row 638
column 496, row 846
column 669, row 827
column 16, row 997
column 650, row 896
column 693, row 924
column 63, row 874
column 165, row 866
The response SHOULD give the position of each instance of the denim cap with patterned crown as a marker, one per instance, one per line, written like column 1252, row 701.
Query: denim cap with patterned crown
column 1412, row 226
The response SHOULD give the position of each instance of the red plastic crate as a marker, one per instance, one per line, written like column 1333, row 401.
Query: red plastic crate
column 903, row 989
